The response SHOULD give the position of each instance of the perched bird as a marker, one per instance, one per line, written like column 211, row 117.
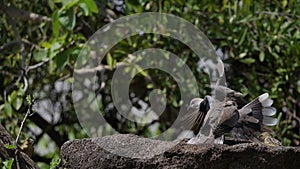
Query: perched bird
column 228, row 119
column 267, row 139
column 27, row 146
column 229, row 115
column 243, row 123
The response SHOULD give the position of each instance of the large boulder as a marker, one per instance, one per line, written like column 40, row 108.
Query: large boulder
column 130, row 151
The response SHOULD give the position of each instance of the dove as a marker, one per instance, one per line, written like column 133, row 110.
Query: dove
column 246, row 123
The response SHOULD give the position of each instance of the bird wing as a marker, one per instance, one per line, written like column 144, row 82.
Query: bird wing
column 193, row 119
column 205, row 134
column 196, row 113
column 253, row 117
column 228, row 119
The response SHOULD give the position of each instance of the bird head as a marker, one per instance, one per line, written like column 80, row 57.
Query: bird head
column 201, row 104
column 205, row 104
column 195, row 103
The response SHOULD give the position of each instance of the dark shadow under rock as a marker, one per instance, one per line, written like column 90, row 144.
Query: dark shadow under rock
column 130, row 151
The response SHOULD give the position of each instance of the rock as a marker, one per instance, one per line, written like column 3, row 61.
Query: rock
column 130, row 151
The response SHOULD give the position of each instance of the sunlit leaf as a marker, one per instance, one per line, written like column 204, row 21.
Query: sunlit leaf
column 261, row 56
column 84, row 8
column 91, row 5
column 110, row 60
column 69, row 3
column 55, row 163
column 29, row 99
column 40, row 54
column 248, row 60
column 13, row 146
column 8, row 163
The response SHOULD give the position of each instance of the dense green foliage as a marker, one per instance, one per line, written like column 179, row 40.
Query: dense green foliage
column 258, row 40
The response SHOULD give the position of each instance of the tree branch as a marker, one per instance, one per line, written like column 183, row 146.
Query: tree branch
column 17, row 13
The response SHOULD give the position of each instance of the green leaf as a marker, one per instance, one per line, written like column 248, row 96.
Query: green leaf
column 91, row 5
column 8, row 163
column 29, row 99
column 18, row 103
column 8, row 109
column 54, row 49
column 67, row 4
column 243, row 36
column 51, row 4
column 174, row 103
column 241, row 55
column 55, row 163
column 12, row 97
column 275, row 55
column 40, row 54
column 85, row 8
column 16, row 98
column 150, row 86
column 13, row 146
column 67, row 18
column 140, row 70
column 277, row 48
column 55, row 46
column 110, row 61
column 61, row 60
column 261, row 56
column 55, row 24
column 248, row 60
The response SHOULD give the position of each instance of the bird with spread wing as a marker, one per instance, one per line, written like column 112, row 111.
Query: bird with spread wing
column 247, row 122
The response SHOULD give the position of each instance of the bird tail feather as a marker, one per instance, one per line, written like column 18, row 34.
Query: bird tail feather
column 260, row 108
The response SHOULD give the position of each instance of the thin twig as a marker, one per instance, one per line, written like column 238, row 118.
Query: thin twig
column 17, row 159
column 85, row 71
column 25, row 15
column 37, row 65
column 19, row 133
column 30, row 43
column 22, row 124
column 25, row 83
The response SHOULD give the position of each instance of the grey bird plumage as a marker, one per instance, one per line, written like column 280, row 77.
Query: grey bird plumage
column 254, row 117
column 228, row 119
column 243, row 123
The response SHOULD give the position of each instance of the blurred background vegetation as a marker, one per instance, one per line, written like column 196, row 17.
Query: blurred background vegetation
column 259, row 42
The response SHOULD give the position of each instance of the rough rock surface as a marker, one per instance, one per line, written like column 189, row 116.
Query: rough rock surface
column 130, row 151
